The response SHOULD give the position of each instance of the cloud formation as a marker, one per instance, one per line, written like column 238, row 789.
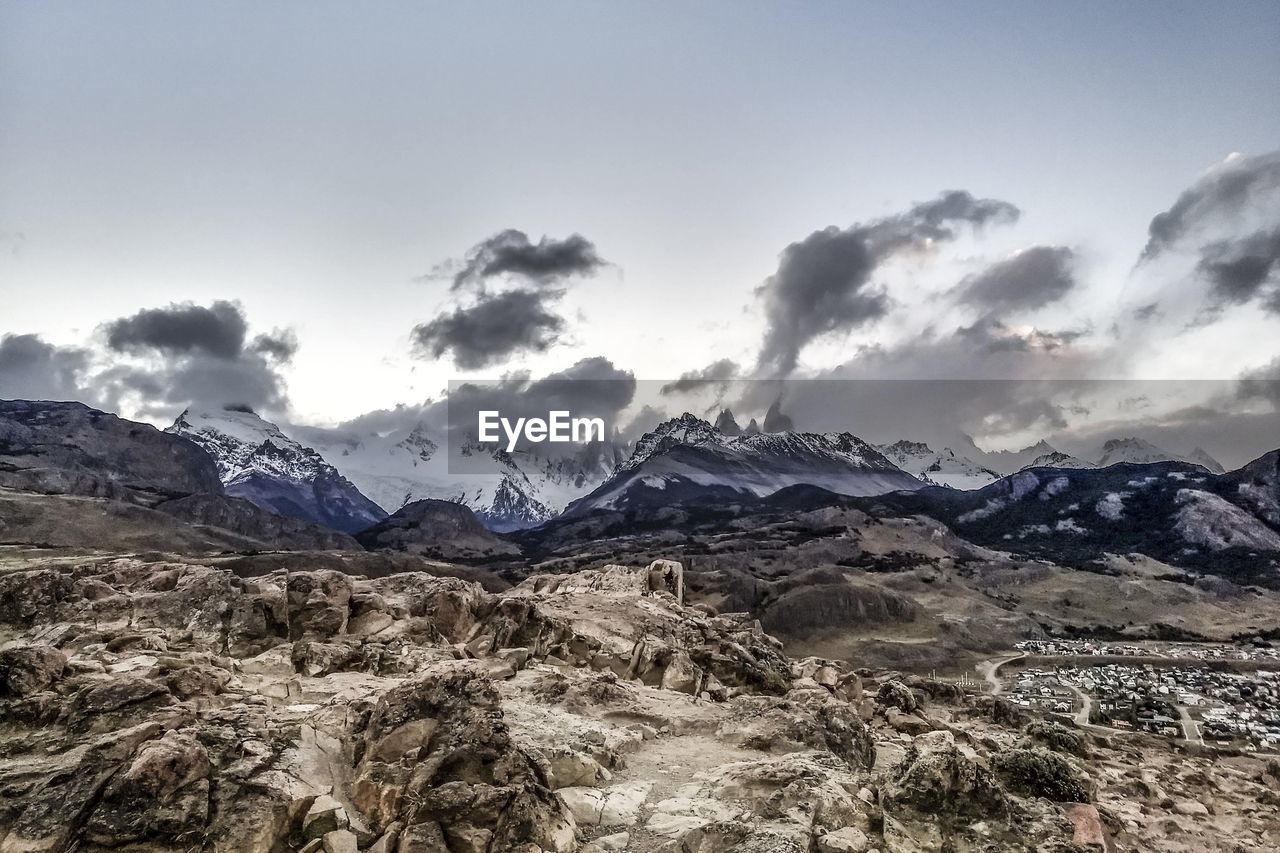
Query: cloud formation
column 1226, row 191
column 823, row 282
column 185, row 354
column 1262, row 383
column 1029, row 279
column 488, row 332
column 32, row 368
column 493, row 326
column 718, row 372
column 511, row 253
column 992, row 336
column 1238, row 271
column 217, row 330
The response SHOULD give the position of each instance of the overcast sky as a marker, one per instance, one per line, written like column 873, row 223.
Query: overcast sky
column 323, row 209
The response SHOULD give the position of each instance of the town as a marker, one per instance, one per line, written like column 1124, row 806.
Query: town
column 1210, row 694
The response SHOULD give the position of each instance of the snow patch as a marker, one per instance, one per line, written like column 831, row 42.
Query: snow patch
column 1111, row 507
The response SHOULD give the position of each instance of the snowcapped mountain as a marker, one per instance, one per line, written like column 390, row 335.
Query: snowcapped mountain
column 1172, row 510
column 507, row 491
column 1200, row 456
column 258, row 462
column 1141, row 452
column 688, row 459
column 938, row 469
column 1058, row 459
column 1006, row 461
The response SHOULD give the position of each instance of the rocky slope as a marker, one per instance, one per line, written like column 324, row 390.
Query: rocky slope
column 177, row 706
column 74, row 477
column 1176, row 512
column 258, row 462
column 71, row 449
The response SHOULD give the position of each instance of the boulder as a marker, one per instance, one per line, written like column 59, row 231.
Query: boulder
column 937, row 777
column 1038, row 772
column 25, row 670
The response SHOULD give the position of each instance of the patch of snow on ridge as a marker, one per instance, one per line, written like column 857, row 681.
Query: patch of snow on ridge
column 987, row 510
column 1112, row 506
column 1068, row 525
column 1209, row 520
column 1055, row 487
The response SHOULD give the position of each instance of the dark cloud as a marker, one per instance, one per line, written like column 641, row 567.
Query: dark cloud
column 1225, row 192
column 403, row 416
column 592, row 387
column 32, row 368
column 1147, row 312
column 193, row 354
column 161, row 390
column 1030, row 279
column 280, row 345
column 1261, row 384
column 496, row 327
column 717, row 373
column 218, row 330
column 511, row 253
column 523, row 318
column 1241, row 270
column 991, row 335
column 936, row 219
column 823, row 283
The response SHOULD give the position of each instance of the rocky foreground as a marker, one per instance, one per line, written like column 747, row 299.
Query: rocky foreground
column 173, row 706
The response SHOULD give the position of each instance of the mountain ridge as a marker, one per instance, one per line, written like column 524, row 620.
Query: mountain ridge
column 258, row 462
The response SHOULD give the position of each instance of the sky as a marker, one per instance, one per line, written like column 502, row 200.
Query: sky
column 326, row 210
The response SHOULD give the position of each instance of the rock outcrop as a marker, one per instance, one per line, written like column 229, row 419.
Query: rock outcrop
column 439, row 529
column 157, row 706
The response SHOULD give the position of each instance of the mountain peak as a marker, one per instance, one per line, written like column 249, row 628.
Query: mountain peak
column 939, row 469
column 912, row 447
column 687, row 429
column 1139, row 451
column 1058, row 459
column 726, row 424
column 258, row 462
column 1127, row 442
column 1200, row 456
column 776, row 421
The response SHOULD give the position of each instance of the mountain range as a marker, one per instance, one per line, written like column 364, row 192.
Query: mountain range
column 688, row 459
column 232, row 481
column 350, row 481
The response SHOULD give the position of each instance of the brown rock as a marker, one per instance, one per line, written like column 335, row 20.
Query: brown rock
column 25, row 670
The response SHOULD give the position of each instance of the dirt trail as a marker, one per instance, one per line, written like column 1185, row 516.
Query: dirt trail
column 670, row 762
column 990, row 670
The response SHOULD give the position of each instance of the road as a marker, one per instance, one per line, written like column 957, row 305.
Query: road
column 1086, row 708
column 1190, row 730
column 990, row 670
